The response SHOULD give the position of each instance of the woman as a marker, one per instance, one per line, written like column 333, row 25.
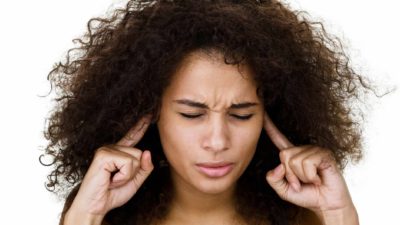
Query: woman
column 204, row 112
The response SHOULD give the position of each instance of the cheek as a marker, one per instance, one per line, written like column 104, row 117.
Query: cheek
column 246, row 141
column 247, row 138
column 176, row 139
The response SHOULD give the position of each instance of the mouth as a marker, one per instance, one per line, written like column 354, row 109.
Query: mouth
column 215, row 170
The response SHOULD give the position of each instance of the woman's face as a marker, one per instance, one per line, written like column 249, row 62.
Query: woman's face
column 210, row 122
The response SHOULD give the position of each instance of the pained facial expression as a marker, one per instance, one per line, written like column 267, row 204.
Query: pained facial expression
column 210, row 122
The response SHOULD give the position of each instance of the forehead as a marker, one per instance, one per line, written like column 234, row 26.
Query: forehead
column 202, row 71
column 208, row 79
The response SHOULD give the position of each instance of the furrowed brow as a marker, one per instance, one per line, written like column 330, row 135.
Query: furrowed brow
column 201, row 105
column 191, row 103
column 243, row 105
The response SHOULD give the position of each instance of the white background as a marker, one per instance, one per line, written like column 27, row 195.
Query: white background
column 35, row 34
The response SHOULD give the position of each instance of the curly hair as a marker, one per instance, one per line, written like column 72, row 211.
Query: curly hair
column 121, row 66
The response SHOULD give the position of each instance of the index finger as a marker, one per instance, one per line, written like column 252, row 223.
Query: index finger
column 276, row 136
column 133, row 136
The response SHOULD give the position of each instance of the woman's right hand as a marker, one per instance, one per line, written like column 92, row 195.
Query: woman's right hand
column 114, row 176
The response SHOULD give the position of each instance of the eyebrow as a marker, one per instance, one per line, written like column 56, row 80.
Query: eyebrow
column 201, row 105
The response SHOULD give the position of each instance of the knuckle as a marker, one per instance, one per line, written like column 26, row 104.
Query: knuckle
column 307, row 163
column 309, row 171
column 328, row 155
column 284, row 155
column 321, row 149
column 311, row 149
column 135, row 162
column 102, row 152
column 129, row 137
column 293, row 163
column 128, row 160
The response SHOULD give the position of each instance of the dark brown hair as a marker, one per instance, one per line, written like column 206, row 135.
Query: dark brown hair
column 120, row 68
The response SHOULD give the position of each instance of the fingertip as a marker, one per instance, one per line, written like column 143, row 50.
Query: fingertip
column 118, row 180
column 148, row 164
column 317, row 181
column 277, row 173
column 269, row 175
column 149, row 158
column 296, row 186
column 279, row 169
column 294, row 182
column 276, row 179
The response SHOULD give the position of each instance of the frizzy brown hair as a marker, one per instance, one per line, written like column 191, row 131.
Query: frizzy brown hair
column 120, row 68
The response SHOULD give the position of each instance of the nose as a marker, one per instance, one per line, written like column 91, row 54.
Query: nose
column 217, row 136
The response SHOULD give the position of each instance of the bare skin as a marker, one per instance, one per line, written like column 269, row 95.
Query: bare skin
column 210, row 113
column 278, row 181
column 307, row 176
column 100, row 191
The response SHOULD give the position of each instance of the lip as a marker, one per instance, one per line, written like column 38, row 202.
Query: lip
column 215, row 169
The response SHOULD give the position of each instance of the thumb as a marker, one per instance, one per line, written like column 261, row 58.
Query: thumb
column 146, row 166
column 276, row 179
column 145, row 162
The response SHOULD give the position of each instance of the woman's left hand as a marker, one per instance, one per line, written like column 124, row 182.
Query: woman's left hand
column 308, row 176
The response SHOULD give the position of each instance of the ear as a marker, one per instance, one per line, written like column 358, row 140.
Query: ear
column 156, row 115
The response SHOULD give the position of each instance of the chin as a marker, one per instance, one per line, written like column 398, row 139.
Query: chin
column 214, row 186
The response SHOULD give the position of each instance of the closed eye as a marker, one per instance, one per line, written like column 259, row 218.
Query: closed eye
column 240, row 117
column 190, row 116
column 245, row 117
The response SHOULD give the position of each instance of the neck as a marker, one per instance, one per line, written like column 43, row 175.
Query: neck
column 191, row 206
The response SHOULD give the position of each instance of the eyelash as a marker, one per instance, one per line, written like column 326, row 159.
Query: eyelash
column 246, row 117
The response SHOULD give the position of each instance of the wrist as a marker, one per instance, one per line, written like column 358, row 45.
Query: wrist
column 73, row 217
column 345, row 216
